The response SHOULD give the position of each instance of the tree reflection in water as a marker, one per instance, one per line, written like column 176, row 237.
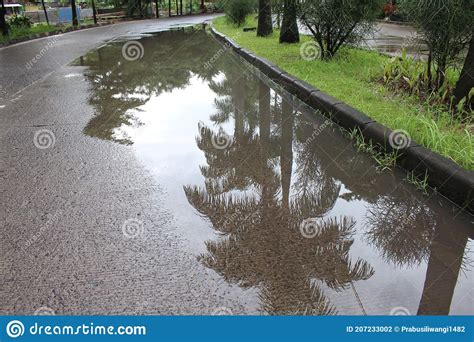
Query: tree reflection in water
column 120, row 87
column 277, row 172
column 247, row 199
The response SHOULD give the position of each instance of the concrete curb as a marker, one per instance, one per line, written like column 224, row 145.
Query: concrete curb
column 49, row 34
column 448, row 178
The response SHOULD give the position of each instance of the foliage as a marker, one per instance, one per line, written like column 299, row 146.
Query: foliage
column 22, row 32
column 445, row 26
column 138, row 8
column 350, row 76
column 337, row 22
column 277, row 10
column 420, row 183
column 237, row 10
column 19, row 21
column 385, row 161
column 409, row 75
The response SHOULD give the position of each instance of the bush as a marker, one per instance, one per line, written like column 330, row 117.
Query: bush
column 19, row 21
column 445, row 26
column 408, row 75
column 238, row 10
column 337, row 22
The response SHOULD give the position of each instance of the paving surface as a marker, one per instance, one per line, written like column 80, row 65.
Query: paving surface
column 121, row 210
column 64, row 209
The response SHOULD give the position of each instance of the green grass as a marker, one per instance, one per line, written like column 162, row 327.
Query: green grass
column 351, row 77
column 29, row 32
column 38, row 29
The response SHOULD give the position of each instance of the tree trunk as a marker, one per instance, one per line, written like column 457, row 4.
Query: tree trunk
column 430, row 75
column 94, row 12
column 265, row 26
column 3, row 22
column 157, row 9
column 45, row 12
column 289, row 29
column 286, row 151
column 444, row 266
column 466, row 80
column 74, row 13
column 140, row 6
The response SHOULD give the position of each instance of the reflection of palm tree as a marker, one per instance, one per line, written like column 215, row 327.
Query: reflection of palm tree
column 401, row 229
column 408, row 232
column 261, row 245
column 120, row 87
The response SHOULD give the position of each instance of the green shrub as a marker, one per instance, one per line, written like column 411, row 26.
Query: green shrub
column 334, row 23
column 445, row 26
column 410, row 76
column 238, row 10
column 19, row 21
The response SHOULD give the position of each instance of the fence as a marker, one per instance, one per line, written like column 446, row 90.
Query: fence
column 59, row 15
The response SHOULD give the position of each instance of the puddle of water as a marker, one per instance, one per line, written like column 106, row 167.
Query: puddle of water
column 270, row 195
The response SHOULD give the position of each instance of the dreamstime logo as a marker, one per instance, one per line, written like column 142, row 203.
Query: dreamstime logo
column 310, row 51
column 44, row 311
column 133, row 51
column 399, row 139
column 132, row 228
column 15, row 329
column 222, row 140
column 41, row 53
column 309, row 228
column 44, row 139
column 400, row 311
column 222, row 311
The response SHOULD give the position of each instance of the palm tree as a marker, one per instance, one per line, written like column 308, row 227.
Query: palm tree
column 289, row 29
column 265, row 23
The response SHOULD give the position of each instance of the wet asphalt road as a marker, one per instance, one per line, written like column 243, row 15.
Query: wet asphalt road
column 92, row 226
column 64, row 209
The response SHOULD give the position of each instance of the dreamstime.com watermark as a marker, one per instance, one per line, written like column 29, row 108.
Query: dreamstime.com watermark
column 227, row 45
column 44, row 139
column 133, row 228
column 41, row 53
column 133, row 51
column 16, row 329
column 310, row 51
column 399, row 139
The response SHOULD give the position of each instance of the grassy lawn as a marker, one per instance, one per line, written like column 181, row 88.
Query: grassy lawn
column 38, row 29
column 29, row 32
column 351, row 77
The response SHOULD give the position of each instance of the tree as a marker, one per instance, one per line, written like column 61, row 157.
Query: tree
column 466, row 80
column 445, row 27
column 237, row 10
column 3, row 22
column 289, row 29
column 337, row 22
column 265, row 23
column 94, row 12
column 74, row 13
column 45, row 12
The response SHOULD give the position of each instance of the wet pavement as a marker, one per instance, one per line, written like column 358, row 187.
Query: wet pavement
column 160, row 174
column 391, row 39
